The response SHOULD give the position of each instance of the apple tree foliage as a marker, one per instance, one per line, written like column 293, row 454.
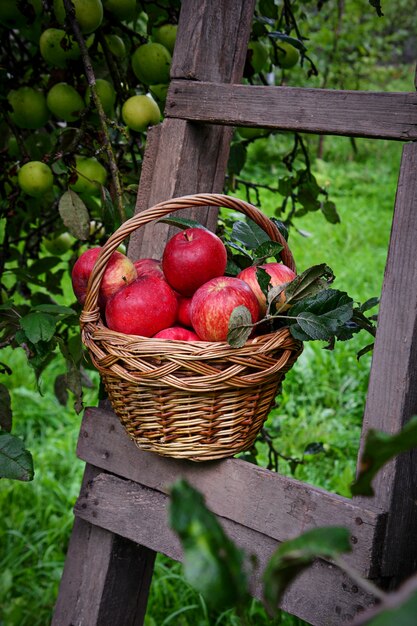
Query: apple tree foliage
column 66, row 75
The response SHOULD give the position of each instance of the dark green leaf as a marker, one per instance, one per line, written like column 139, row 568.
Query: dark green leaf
column 212, row 562
column 285, row 186
column 315, row 447
column 293, row 556
column 237, row 158
column 38, row 326
column 365, row 350
column 283, row 37
column 55, row 309
column 240, row 326
column 181, row 222
column 308, row 283
column 5, row 409
column 281, row 227
column 75, row 215
column 269, row 9
column 15, row 461
column 377, row 6
column 320, row 316
column 267, row 250
column 330, row 212
column 109, row 214
column 379, row 449
column 41, row 266
column 249, row 234
column 264, row 280
column 369, row 304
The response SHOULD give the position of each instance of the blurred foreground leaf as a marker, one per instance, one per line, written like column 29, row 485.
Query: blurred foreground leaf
column 379, row 448
column 213, row 565
column 293, row 556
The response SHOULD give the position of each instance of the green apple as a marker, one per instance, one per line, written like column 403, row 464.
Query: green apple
column 140, row 112
column 14, row 14
column 159, row 92
column 35, row 178
column 258, row 56
column 123, row 10
column 106, row 94
column 59, row 244
column 65, row 102
column 57, row 47
column 89, row 13
column 115, row 44
column 151, row 63
column 287, row 54
column 29, row 108
column 166, row 35
column 91, row 175
column 249, row 132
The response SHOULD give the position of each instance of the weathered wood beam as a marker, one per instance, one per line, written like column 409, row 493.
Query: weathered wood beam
column 392, row 391
column 276, row 506
column 322, row 595
column 381, row 115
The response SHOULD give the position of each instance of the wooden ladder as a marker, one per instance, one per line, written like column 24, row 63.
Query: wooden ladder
column 120, row 515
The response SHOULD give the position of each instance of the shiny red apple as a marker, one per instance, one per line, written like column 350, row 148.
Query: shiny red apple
column 144, row 307
column 280, row 275
column 119, row 271
column 184, row 310
column 148, row 266
column 177, row 332
column 213, row 303
column 191, row 258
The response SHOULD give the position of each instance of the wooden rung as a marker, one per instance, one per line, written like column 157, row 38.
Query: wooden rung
column 140, row 514
column 380, row 115
column 277, row 506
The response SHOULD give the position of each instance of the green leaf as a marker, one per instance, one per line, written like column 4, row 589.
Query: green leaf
column 281, row 227
column 249, row 234
column 264, row 280
column 320, row 316
column 212, row 562
column 293, row 556
column 399, row 608
column 181, row 222
column 75, row 215
column 15, row 461
column 283, row 37
column 55, row 309
column 109, row 213
column 267, row 250
column 237, row 158
column 38, row 326
column 308, row 283
column 5, row 409
column 377, row 6
column 379, row 449
column 240, row 326
column 369, row 304
column 330, row 212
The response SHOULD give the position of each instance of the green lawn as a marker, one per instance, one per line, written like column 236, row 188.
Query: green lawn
column 322, row 400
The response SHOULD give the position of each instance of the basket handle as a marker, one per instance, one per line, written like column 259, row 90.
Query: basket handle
column 90, row 311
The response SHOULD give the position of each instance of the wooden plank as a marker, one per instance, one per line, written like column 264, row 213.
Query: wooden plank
column 211, row 44
column 322, row 111
column 277, row 506
column 212, row 40
column 323, row 595
column 106, row 577
column 392, row 392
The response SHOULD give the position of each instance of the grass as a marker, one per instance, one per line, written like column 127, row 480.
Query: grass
column 322, row 401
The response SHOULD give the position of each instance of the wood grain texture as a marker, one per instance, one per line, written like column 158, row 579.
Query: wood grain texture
column 392, row 391
column 212, row 40
column 275, row 505
column 321, row 111
column 191, row 158
column 323, row 594
column 106, row 577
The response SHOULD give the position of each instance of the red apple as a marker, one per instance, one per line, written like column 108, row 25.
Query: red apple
column 184, row 310
column 148, row 266
column 144, row 307
column 213, row 303
column 280, row 275
column 119, row 271
column 177, row 332
column 191, row 258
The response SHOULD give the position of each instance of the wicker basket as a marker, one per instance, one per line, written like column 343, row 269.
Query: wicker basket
column 190, row 400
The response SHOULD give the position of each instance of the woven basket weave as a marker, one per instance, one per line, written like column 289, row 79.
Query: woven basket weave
column 191, row 400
